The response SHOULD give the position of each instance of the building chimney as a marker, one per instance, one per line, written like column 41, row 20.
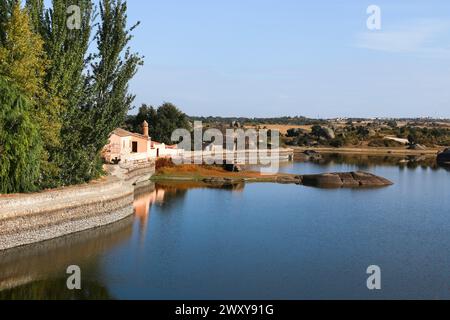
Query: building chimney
column 145, row 128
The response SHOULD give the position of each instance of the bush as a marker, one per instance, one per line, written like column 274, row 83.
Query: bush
column 163, row 163
column 337, row 142
column 380, row 142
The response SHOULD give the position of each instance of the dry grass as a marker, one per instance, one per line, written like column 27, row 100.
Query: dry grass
column 166, row 168
column 282, row 128
column 204, row 171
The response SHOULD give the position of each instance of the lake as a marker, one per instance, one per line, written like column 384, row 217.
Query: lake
column 258, row 241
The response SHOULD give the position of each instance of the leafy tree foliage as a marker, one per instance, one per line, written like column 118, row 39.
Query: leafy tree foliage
column 162, row 122
column 75, row 99
column 23, row 61
column 105, row 106
column 20, row 143
column 6, row 7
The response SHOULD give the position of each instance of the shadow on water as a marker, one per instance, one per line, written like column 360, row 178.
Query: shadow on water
column 38, row 271
column 56, row 289
column 444, row 166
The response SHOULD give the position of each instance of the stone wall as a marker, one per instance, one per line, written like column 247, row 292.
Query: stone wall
column 31, row 218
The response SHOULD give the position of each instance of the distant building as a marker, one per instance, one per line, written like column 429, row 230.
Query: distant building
column 125, row 146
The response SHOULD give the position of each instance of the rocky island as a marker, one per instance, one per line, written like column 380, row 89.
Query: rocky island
column 217, row 176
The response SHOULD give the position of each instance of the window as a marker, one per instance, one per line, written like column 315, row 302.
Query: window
column 135, row 147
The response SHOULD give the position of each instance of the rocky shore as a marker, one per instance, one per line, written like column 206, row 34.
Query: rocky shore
column 325, row 180
column 217, row 176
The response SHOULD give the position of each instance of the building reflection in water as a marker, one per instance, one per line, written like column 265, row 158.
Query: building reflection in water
column 144, row 196
column 167, row 195
column 38, row 271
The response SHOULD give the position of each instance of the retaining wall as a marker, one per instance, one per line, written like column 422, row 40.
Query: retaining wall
column 31, row 218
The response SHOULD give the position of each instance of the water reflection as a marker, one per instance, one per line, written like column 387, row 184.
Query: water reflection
column 189, row 240
column 445, row 167
column 367, row 161
column 28, row 269
column 38, row 271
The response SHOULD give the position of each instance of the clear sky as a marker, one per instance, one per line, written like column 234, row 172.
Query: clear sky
column 262, row 58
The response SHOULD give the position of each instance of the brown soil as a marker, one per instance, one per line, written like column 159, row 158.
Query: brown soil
column 203, row 171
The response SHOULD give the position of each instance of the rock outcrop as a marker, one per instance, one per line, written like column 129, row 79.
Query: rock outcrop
column 325, row 180
column 328, row 133
column 444, row 157
column 345, row 180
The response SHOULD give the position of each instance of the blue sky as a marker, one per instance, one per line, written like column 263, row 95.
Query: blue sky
column 289, row 57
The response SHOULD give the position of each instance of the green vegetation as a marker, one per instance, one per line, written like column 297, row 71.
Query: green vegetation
column 162, row 121
column 20, row 143
column 425, row 136
column 69, row 99
column 23, row 61
column 260, row 121
column 370, row 134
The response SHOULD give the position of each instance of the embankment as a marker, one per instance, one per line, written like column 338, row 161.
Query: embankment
column 31, row 218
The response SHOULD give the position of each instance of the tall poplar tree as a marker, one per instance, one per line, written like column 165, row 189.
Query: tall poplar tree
column 65, row 80
column 107, row 100
column 23, row 62
column 83, row 97
column 6, row 7
column 20, row 143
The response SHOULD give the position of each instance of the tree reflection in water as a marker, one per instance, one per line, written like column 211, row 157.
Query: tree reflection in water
column 366, row 161
column 38, row 271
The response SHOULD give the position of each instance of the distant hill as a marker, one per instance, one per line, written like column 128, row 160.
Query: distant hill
column 299, row 121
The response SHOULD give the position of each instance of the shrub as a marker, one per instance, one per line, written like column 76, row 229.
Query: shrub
column 380, row 142
column 163, row 163
column 337, row 142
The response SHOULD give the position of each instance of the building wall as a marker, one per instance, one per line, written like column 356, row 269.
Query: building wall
column 122, row 147
column 143, row 144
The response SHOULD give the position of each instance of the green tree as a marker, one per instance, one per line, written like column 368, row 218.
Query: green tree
column 92, row 89
column 65, row 81
column 162, row 122
column 316, row 131
column 20, row 144
column 6, row 7
column 23, row 61
column 107, row 100
column 146, row 113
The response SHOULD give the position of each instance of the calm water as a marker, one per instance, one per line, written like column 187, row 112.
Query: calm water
column 259, row 241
